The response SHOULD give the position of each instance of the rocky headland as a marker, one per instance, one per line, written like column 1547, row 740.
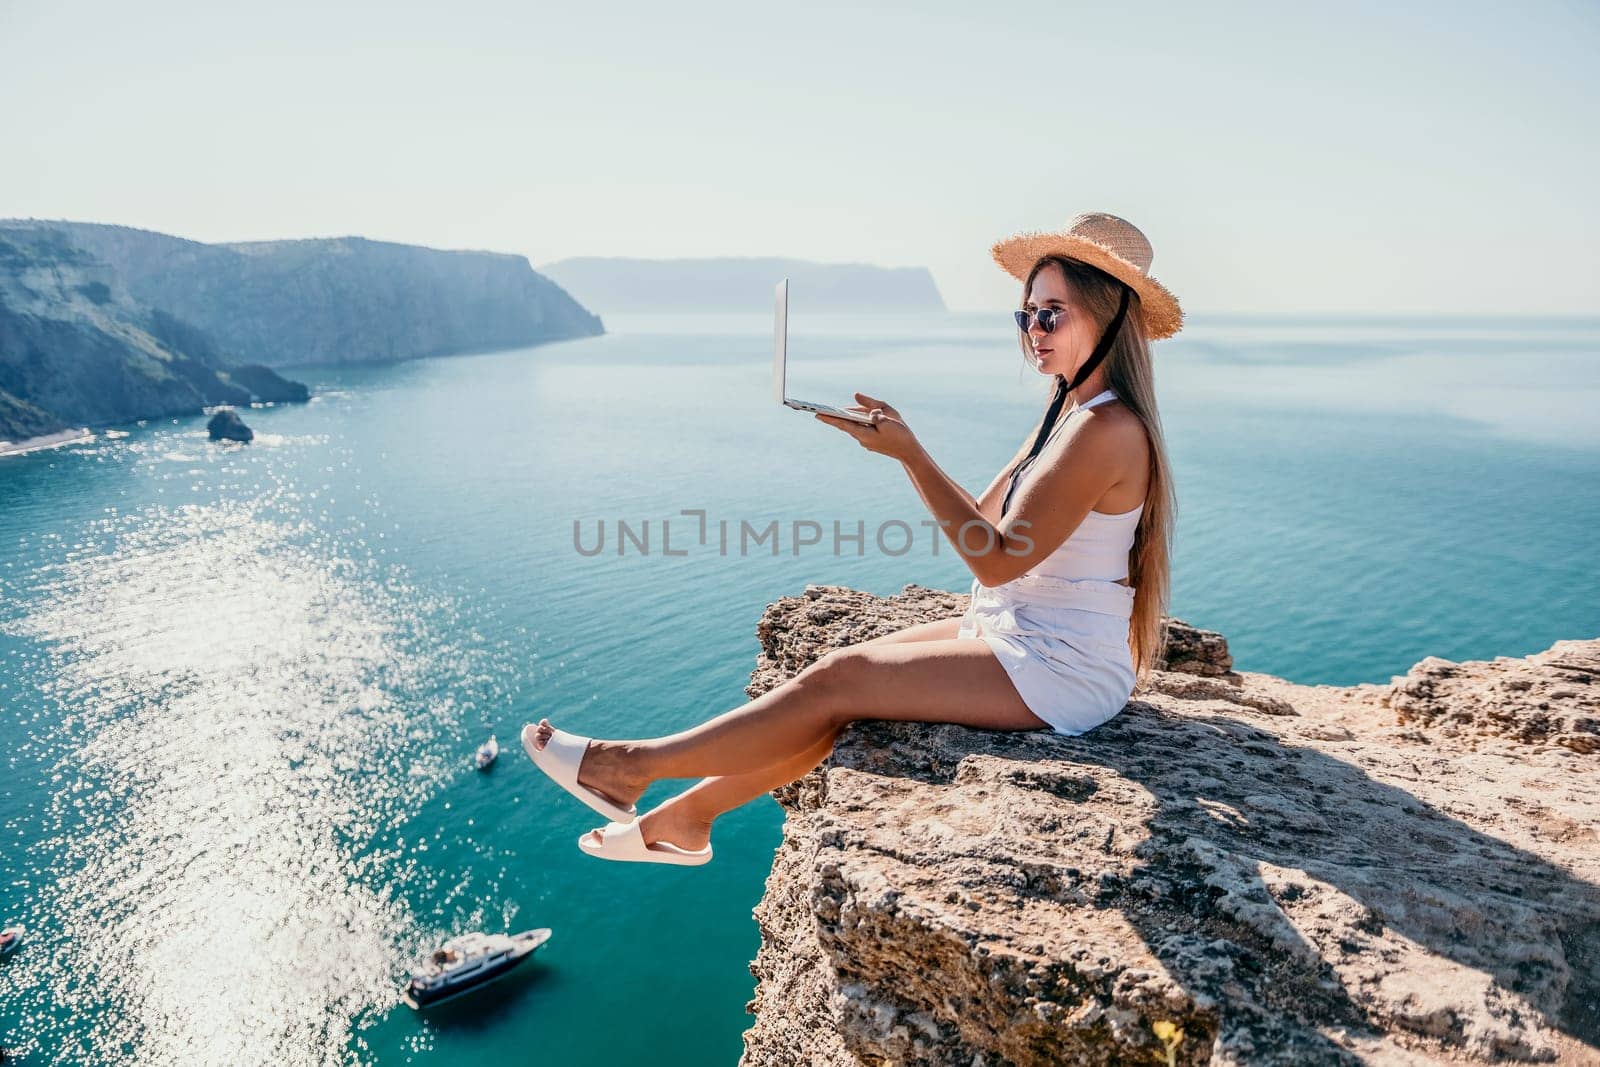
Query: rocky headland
column 106, row 324
column 339, row 299
column 1235, row 870
column 78, row 349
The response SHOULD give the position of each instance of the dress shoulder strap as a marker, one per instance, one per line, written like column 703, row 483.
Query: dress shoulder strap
column 1103, row 395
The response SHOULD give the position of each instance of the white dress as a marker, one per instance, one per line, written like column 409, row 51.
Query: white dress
column 1061, row 629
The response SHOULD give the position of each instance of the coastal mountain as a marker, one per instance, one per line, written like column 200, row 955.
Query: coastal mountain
column 335, row 300
column 1236, row 869
column 76, row 349
column 724, row 285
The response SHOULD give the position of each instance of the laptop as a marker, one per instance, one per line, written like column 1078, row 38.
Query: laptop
column 781, row 334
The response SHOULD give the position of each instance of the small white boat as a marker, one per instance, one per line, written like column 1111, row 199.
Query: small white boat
column 10, row 938
column 469, row 962
column 488, row 752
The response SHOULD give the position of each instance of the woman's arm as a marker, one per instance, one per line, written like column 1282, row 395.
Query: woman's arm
column 1074, row 473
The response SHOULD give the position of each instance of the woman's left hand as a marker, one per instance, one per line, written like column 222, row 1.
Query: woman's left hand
column 888, row 435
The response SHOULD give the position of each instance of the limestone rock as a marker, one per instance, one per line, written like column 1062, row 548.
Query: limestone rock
column 1547, row 699
column 1286, row 874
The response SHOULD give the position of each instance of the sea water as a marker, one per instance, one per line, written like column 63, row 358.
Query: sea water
column 241, row 687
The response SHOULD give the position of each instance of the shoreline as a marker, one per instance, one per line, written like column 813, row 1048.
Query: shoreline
column 44, row 441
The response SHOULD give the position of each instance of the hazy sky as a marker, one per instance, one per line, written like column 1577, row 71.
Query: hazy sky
column 1281, row 157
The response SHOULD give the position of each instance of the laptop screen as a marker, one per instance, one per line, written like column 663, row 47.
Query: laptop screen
column 780, row 332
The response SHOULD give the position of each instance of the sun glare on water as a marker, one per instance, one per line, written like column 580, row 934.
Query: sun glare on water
column 244, row 715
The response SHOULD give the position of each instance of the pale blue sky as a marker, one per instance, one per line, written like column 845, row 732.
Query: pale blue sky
column 1357, row 157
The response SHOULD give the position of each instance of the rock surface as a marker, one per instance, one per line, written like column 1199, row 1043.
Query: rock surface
column 267, row 385
column 1263, row 872
column 226, row 425
column 1546, row 699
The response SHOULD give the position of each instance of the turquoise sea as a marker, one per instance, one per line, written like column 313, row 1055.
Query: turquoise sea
column 240, row 688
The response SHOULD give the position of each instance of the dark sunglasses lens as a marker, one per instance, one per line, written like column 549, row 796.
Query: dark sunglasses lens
column 1022, row 319
column 1047, row 319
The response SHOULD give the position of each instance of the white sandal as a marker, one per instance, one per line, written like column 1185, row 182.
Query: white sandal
column 560, row 758
column 625, row 841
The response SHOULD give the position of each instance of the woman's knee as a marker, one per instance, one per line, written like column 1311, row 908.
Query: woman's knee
column 835, row 678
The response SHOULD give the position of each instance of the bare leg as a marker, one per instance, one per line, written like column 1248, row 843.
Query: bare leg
column 938, row 630
column 685, row 820
column 609, row 767
column 936, row 680
column 956, row 680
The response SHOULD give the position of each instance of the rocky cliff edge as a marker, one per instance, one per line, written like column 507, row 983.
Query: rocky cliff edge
column 1235, row 870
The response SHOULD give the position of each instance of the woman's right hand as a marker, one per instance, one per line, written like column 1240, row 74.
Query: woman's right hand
column 887, row 435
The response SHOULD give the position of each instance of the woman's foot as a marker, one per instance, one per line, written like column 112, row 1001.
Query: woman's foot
column 604, row 768
column 669, row 822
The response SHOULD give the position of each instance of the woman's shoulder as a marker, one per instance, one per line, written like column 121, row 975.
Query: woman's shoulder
column 1117, row 422
column 1106, row 435
column 1114, row 433
column 1121, row 437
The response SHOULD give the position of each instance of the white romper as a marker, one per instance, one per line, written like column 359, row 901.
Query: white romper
column 1061, row 629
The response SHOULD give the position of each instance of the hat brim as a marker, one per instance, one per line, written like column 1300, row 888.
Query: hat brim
column 1017, row 255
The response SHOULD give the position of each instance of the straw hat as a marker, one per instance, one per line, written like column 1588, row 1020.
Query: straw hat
column 1108, row 242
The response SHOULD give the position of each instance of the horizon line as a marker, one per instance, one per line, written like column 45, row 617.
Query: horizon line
column 1592, row 315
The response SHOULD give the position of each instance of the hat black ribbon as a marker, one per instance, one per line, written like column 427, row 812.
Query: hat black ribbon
column 1062, row 389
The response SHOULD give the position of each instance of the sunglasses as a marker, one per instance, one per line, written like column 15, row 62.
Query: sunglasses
column 1046, row 317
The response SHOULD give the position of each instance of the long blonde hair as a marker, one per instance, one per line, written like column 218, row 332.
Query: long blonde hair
column 1130, row 374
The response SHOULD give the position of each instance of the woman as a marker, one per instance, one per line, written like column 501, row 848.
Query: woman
column 1068, row 548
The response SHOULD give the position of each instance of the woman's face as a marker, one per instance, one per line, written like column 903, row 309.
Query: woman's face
column 1061, row 351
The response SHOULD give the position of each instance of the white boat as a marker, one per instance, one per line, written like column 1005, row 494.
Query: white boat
column 10, row 938
column 488, row 752
column 469, row 962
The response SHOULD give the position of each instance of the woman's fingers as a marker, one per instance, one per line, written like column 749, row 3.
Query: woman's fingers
column 867, row 403
column 885, row 434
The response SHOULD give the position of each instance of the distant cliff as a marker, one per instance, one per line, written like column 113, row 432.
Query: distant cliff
column 722, row 285
column 1234, row 870
column 76, row 349
column 336, row 300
